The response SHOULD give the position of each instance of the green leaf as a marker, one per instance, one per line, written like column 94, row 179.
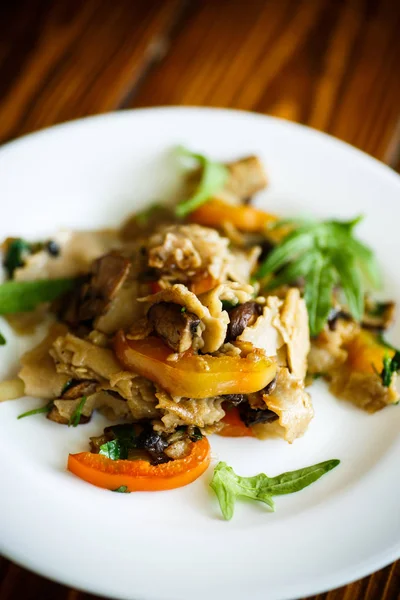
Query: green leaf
column 15, row 255
column 390, row 367
column 213, row 178
column 298, row 268
column 297, row 242
column 125, row 440
column 318, row 292
column 3, row 340
column 76, row 415
column 37, row 411
column 123, row 489
column 351, row 282
column 24, row 296
column 324, row 254
column 228, row 486
column 114, row 450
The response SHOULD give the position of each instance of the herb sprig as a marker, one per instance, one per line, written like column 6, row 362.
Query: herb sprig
column 212, row 180
column 125, row 440
column 37, row 411
column 324, row 254
column 228, row 486
column 76, row 415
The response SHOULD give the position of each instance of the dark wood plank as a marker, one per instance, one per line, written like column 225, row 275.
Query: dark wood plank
column 330, row 64
column 63, row 60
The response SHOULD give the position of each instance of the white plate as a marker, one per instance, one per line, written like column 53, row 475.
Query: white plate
column 174, row 545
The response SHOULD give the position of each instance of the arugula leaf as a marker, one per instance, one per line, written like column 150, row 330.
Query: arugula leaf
column 323, row 254
column 3, row 340
column 228, row 486
column 76, row 415
column 213, row 179
column 37, row 411
column 318, row 292
column 288, row 274
column 14, row 255
column 24, row 296
column 299, row 241
column 123, row 489
column 390, row 367
column 351, row 281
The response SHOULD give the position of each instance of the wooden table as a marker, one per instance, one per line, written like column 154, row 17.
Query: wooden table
column 334, row 65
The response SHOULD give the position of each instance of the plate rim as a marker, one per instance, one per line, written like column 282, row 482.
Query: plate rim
column 366, row 566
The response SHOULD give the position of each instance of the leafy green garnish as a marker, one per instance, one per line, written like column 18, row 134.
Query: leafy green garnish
column 212, row 180
column 76, row 415
column 37, row 411
column 24, row 296
column 3, row 340
column 123, row 489
column 14, row 255
column 125, row 440
column 228, row 486
column 390, row 367
column 114, row 450
column 324, row 254
column 183, row 309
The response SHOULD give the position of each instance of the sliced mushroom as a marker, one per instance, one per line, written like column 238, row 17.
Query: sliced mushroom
column 80, row 389
column 174, row 324
column 251, row 416
column 57, row 417
column 242, row 316
column 108, row 274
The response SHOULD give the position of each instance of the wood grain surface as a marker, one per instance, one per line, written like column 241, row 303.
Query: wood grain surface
column 331, row 64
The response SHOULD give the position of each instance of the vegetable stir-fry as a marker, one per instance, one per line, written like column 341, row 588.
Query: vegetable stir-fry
column 210, row 317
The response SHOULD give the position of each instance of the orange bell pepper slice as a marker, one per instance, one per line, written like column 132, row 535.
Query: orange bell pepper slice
column 140, row 475
column 233, row 425
column 203, row 285
column 245, row 218
column 194, row 376
column 366, row 353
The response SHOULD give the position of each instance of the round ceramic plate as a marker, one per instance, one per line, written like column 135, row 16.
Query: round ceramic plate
column 174, row 545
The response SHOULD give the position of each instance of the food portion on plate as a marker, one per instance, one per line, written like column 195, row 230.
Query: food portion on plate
column 209, row 316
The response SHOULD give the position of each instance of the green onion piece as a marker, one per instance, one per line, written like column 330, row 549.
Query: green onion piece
column 37, row 411
column 24, row 296
column 76, row 415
